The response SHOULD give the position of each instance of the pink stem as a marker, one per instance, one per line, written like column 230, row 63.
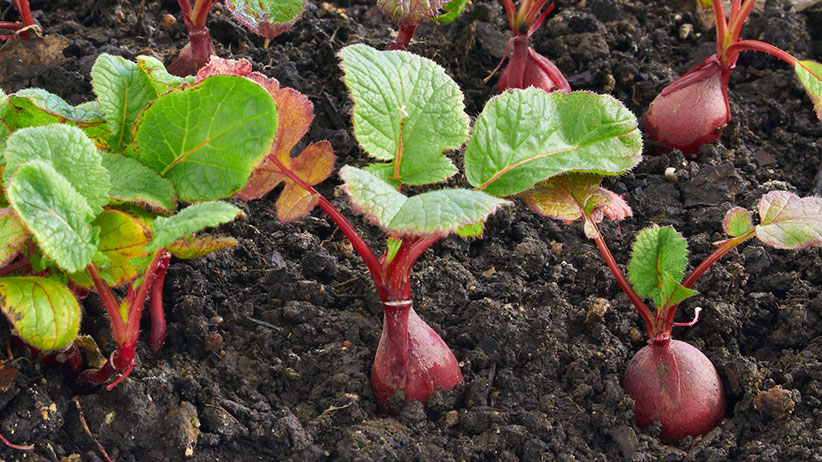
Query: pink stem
column 404, row 35
column 118, row 329
column 19, row 447
column 137, row 298
column 721, row 26
column 158, row 320
column 756, row 45
column 738, row 20
column 693, row 321
column 121, row 359
column 535, row 25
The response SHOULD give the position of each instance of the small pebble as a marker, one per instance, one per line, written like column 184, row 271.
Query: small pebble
column 452, row 418
column 670, row 174
column 685, row 31
column 597, row 311
column 775, row 402
column 213, row 342
column 635, row 335
column 167, row 21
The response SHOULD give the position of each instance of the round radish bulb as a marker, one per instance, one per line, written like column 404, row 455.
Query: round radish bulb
column 411, row 357
column 527, row 68
column 691, row 111
column 674, row 383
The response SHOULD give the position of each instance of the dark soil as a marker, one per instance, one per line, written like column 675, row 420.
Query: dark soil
column 270, row 344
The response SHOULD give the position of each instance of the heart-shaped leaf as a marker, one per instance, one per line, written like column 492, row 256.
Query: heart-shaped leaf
column 407, row 110
column 268, row 18
column 44, row 313
column 526, row 136
column 659, row 253
column 228, row 127
column 787, row 221
column 737, row 222
column 431, row 213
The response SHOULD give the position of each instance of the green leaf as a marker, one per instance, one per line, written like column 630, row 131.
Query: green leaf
column 133, row 182
column 410, row 12
column 673, row 292
column 6, row 111
column 123, row 90
column 43, row 312
column 407, row 111
column 474, row 230
column 157, row 74
column 56, row 214
column 453, row 10
column 787, row 221
column 13, row 236
column 810, row 74
column 268, row 18
column 737, row 222
column 431, row 213
column 122, row 238
column 705, row 3
column 228, row 128
column 659, row 253
column 69, row 151
column 526, row 136
column 393, row 246
column 196, row 247
column 35, row 107
column 189, row 221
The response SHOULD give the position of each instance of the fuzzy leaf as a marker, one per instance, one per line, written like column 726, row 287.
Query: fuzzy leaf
column 674, row 292
column 737, row 222
column 659, row 253
column 69, row 151
column 810, row 74
column 123, row 90
column 410, row 12
column 190, row 220
column 196, row 247
column 787, row 221
column 571, row 196
column 56, row 214
column 13, row 236
column 431, row 213
column 122, row 238
column 35, row 107
column 157, row 74
column 208, row 154
column 133, row 182
column 526, row 136
column 268, row 18
column 44, row 312
column 407, row 111
column 453, row 10
column 6, row 112
column 474, row 230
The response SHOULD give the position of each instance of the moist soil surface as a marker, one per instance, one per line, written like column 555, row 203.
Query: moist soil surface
column 270, row 343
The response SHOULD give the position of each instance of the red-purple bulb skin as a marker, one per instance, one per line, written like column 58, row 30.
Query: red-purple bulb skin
column 674, row 383
column 419, row 366
column 691, row 111
column 527, row 68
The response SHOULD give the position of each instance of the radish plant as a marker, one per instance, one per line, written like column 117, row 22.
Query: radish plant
column 408, row 14
column 527, row 68
column 90, row 194
column 268, row 18
column 694, row 109
column 671, row 381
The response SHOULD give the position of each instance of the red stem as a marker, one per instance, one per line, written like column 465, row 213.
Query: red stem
column 404, row 35
column 25, row 12
column 19, row 447
column 666, row 318
column 738, row 19
column 136, row 299
column 756, row 45
column 118, row 329
column 16, row 266
column 644, row 311
column 158, row 320
column 721, row 26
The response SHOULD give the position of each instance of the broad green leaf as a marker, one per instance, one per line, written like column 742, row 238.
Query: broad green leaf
column 35, row 107
column 69, row 151
column 122, row 239
column 406, row 111
column 55, row 213
column 196, row 247
column 410, row 12
column 6, row 110
column 123, row 90
column 810, row 74
column 659, row 253
column 572, row 196
column 431, row 213
column 133, row 182
column 526, row 136
column 737, row 222
column 228, row 127
column 674, row 292
column 157, row 74
column 43, row 312
column 268, row 18
column 474, row 230
column 787, row 221
column 190, row 220
column 453, row 10
column 13, row 236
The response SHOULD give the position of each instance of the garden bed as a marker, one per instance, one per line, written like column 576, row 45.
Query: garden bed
column 270, row 343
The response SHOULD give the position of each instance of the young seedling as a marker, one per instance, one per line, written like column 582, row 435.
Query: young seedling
column 26, row 20
column 90, row 194
column 268, row 18
column 527, row 68
column 671, row 381
column 407, row 112
column 408, row 14
column 694, row 109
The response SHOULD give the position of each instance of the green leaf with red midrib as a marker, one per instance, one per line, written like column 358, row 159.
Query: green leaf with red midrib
column 810, row 74
column 44, row 312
